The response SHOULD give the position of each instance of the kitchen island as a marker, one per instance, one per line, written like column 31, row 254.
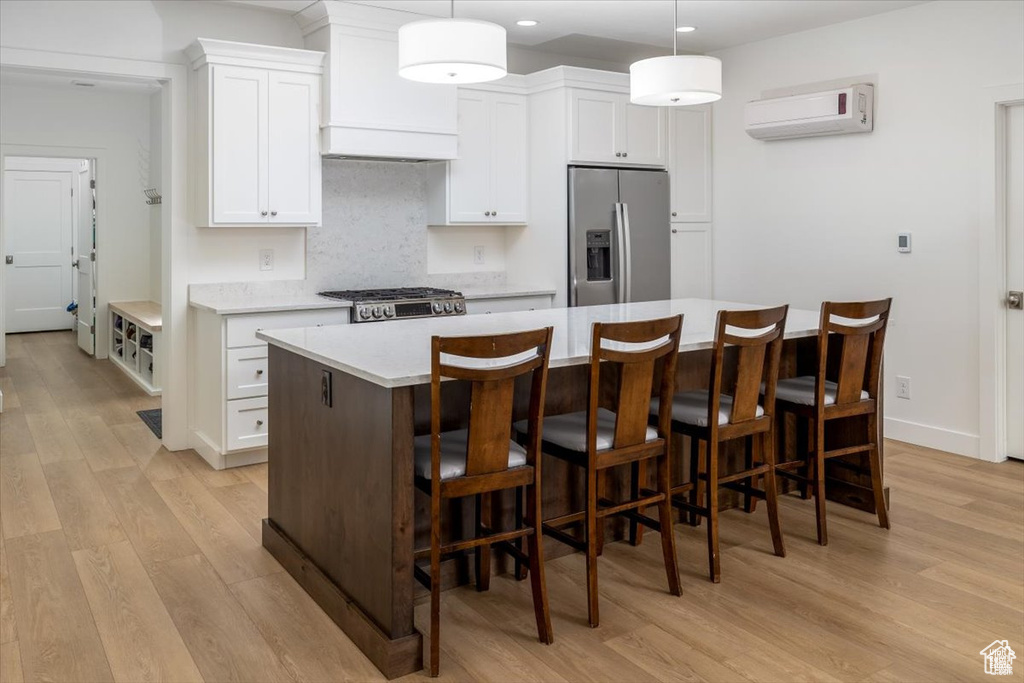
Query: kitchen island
column 346, row 403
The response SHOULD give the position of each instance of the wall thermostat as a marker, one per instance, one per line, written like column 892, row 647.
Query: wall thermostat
column 903, row 243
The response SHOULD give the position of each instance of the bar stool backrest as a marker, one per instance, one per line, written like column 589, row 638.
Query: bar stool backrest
column 861, row 336
column 492, row 393
column 659, row 342
column 758, row 356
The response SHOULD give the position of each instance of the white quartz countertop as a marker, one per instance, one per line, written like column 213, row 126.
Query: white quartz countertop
column 507, row 292
column 236, row 303
column 397, row 353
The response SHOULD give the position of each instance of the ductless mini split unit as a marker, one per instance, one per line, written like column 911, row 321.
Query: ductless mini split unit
column 829, row 112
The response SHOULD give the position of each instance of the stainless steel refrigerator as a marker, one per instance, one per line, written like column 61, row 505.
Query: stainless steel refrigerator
column 619, row 225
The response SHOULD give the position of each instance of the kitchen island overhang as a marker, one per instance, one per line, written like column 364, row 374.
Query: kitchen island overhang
column 342, row 514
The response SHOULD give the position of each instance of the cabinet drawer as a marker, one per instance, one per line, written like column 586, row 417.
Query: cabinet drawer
column 247, row 372
column 247, row 423
column 519, row 303
column 241, row 329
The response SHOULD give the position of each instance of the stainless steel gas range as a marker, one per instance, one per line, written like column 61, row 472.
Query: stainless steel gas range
column 378, row 305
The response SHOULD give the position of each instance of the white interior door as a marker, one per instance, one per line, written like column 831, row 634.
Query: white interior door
column 1015, row 280
column 38, row 209
column 85, row 255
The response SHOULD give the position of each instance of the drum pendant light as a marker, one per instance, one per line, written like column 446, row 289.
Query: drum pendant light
column 677, row 80
column 451, row 50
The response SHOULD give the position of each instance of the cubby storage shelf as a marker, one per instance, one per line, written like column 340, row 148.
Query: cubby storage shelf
column 133, row 323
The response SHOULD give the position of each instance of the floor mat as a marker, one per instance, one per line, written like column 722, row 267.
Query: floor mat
column 153, row 420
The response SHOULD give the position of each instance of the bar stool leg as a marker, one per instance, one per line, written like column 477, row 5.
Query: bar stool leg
column 668, row 541
column 592, row 540
column 771, row 495
column 538, row 584
column 876, row 473
column 819, row 480
column 639, row 478
column 520, row 568
column 435, row 584
column 748, row 462
column 602, row 492
column 714, row 562
column 808, row 454
column 483, row 552
column 696, row 467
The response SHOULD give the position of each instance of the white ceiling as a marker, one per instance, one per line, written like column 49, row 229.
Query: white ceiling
column 620, row 29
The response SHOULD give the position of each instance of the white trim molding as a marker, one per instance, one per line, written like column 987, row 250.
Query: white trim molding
column 938, row 438
column 992, row 269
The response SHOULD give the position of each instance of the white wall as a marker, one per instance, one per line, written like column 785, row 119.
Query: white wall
column 155, row 182
column 805, row 220
column 115, row 125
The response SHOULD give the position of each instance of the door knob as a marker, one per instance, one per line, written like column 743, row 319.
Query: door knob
column 9, row 260
column 1015, row 300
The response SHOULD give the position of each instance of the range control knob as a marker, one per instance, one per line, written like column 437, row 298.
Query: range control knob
column 364, row 313
column 437, row 308
column 458, row 307
column 377, row 313
column 389, row 312
column 447, row 306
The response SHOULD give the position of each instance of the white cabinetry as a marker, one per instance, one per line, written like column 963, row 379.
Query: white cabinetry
column 605, row 128
column 690, row 163
column 508, row 304
column 691, row 261
column 228, row 422
column 488, row 182
column 257, row 135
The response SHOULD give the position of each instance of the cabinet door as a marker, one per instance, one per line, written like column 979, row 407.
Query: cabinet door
column 508, row 158
column 690, row 164
column 239, row 131
column 691, row 262
column 294, row 150
column 594, row 127
column 470, row 174
column 644, row 134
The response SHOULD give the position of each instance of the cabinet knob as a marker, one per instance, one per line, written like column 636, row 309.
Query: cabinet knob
column 260, row 371
column 273, row 213
column 625, row 154
column 263, row 213
column 618, row 154
column 494, row 213
column 259, row 423
column 673, row 213
column 487, row 213
column 674, row 230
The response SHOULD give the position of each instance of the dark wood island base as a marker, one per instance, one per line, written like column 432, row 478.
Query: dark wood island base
column 345, row 516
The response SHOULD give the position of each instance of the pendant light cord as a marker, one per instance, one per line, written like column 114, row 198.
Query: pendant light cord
column 675, row 24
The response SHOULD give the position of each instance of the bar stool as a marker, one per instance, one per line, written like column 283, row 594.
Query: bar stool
column 846, row 387
column 598, row 439
column 714, row 417
column 481, row 458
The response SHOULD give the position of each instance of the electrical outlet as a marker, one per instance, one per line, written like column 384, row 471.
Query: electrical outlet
column 902, row 387
column 478, row 256
column 266, row 259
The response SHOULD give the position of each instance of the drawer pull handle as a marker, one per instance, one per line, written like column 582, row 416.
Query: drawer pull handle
column 259, row 372
column 259, row 423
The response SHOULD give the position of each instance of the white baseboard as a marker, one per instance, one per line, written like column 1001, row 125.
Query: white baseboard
column 209, row 452
column 934, row 437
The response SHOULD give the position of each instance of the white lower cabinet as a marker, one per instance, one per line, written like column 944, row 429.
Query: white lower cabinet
column 508, row 304
column 691, row 261
column 228, row 423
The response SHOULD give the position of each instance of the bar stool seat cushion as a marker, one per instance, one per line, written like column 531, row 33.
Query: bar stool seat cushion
column 801, row 390
column 691, row 407
column 570, row 430
column 453, row 454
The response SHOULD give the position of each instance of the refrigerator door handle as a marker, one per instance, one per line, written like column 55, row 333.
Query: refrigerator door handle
column 620, row 256
column 628, row 252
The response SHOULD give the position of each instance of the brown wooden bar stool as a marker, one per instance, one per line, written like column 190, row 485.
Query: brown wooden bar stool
column 481, row 458
column 845, row 386
column 714, row 417
column 599, row 439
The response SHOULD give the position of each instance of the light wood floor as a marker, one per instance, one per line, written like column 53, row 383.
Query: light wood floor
column 122, row 561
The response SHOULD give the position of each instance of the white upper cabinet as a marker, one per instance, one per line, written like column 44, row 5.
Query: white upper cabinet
column 605, row 128
column 257, row 143
column 488, row 182
column 690, row 163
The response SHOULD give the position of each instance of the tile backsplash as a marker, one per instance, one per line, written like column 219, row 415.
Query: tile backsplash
column 375, row 234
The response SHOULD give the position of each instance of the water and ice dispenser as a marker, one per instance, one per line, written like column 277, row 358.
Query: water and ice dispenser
column 599, row 255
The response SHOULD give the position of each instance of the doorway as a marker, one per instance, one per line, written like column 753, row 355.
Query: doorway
column 49, row 210
column 1014, row 251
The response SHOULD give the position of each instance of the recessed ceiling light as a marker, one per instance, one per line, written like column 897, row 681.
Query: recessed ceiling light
column 686, row 29
column 527, row 22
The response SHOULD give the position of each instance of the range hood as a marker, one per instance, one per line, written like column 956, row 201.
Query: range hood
column 368, row 111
